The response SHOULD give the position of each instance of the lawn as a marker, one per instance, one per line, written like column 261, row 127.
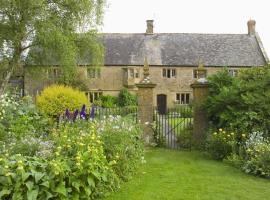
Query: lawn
column 176, row 175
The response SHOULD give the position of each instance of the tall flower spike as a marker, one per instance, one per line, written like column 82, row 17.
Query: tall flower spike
column 92, row 113
column 82, row 113
column 75, row 114
column 67, row 114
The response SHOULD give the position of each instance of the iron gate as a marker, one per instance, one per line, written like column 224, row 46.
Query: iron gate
column 173, row 128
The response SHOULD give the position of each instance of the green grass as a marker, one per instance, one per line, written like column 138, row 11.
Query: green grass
column 176, row 175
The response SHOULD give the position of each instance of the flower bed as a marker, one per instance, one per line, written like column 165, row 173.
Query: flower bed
column 82, row 160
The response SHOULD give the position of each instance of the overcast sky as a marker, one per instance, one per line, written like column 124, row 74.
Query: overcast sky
column 188, row 16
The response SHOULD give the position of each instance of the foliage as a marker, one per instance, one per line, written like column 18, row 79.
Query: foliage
column 241, row 103
column 125, row 98
column 122, row 142
column 50, row 30
column 257, row 158
column 77, row 159
column 54, row 100
column 106, row 101
column 221, row 144
column 24, row 129
column 78, row 170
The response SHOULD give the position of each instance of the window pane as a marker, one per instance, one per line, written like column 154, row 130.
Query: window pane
column 173, row 73
column 187, row 98
column 168, row 73
column 98, row 73
column 178, row 97
column 131, row 73
column 164, row 73
column 182, row 98
column 195, row 73
column 137, row 74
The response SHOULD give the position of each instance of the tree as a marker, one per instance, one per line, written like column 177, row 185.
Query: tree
column 51, row 27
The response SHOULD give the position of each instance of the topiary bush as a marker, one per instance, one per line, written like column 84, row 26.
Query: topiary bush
column 54, row 100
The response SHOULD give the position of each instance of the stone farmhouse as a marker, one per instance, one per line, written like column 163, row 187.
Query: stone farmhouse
column 173, row 61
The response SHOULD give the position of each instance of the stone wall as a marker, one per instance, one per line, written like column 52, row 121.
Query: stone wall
column 112, row 80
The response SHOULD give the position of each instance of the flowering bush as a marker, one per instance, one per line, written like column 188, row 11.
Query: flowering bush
column 79, row 159
column 220, row 144
column 257, row 158
column 54, row 100
column 123, row 143
column 23, row 129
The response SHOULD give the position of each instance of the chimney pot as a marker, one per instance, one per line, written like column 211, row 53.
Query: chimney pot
column 150, row 27
column 251, row 27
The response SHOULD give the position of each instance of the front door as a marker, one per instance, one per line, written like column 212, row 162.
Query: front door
column 162, row 103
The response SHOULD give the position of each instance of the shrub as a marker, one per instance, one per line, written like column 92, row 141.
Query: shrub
column 107, row 101
column 257, row 159
column 220, row 144
column 78, row 169
column 23, row 129
column 54, row 100
column 122, row 142
column 240, row 103
column 125, row 98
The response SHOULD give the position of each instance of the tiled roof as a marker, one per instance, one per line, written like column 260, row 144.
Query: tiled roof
column 183, row 49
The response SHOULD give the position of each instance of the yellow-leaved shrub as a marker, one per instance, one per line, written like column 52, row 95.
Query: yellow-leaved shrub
column 54, row 100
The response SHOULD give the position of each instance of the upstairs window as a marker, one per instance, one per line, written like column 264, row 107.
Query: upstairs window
column 233, row 72
column 134, row 73
column 195, row 73
column 53, row 73
column 169, row 73
column 93, row 73
column 182, row 98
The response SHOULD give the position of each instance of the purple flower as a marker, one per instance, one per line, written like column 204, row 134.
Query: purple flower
column 75, row 114
column 92, row 113
column 67, row 114
column 83, row 113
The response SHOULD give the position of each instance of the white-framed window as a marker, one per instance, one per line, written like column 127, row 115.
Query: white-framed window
column 53, row 73
column 137, row 73
column 195, row 73
column 133, row 73
column 233, row 72
column 182, row 98
column 93, row 73
column 169, row 73
column 93, row 95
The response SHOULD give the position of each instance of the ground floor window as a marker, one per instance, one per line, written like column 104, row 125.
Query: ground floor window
column 233, row 72
column 93, row 95
column 182, row 98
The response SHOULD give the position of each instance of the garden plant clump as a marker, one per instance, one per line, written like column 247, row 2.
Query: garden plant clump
column 240, row 105
column 76, row 159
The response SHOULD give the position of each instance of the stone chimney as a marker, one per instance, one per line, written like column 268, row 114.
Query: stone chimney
column 150, row 27
column 251, row 27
